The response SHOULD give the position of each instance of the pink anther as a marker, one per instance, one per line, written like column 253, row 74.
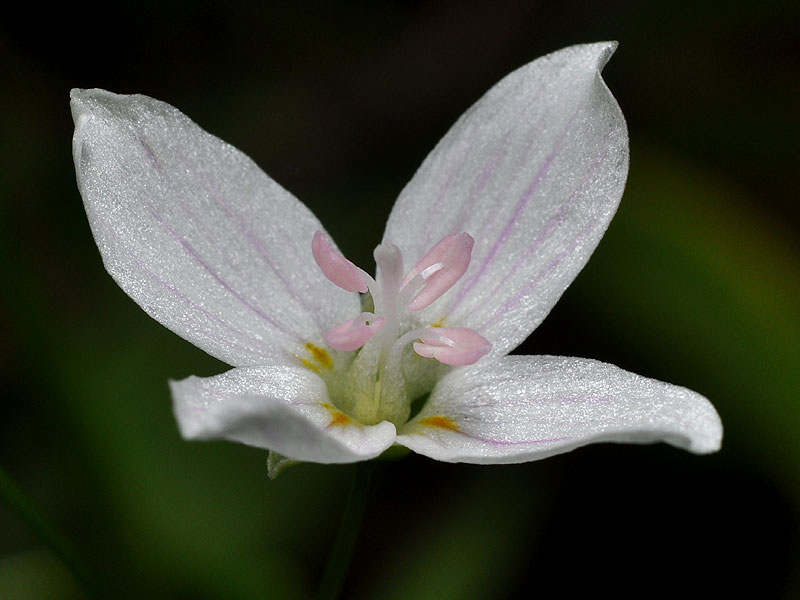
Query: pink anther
column 336, row 267
column 353, row 334
column 439, row 269
column 455, row 346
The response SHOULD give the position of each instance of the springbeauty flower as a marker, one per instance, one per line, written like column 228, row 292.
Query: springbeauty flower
column 327, row 361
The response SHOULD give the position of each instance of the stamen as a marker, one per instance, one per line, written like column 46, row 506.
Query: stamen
column 375, row 387
column 439, row 269
column 353, row 334
column 455, row 346
column 336, row 267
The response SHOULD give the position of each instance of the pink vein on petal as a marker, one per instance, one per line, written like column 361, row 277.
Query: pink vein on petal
column 188, row 301
column 578, row 238
column 521, row 205
column 480, row 183
column 151, row 155
column 429, row 223
column 511, row 303
column 503, row 236
column 493, row 442
column 521, row 157
column 259, row 246
column 550, row 226
column 196, row 255
column 482, row 180
column 503, row 311
column 501, row 443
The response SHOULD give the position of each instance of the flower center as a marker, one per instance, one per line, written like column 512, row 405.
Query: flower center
column 374, row 388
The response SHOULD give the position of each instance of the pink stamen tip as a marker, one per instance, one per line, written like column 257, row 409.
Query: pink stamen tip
column 353, row 334
column 440, row 268
column 335, row 266
column 455, row 346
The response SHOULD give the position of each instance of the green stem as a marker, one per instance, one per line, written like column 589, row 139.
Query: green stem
column 25, row 509
column 342, row 551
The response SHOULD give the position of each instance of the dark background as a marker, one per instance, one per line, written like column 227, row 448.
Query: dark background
column 696, row 282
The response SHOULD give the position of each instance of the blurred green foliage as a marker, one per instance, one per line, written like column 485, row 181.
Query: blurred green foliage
column 695, row 283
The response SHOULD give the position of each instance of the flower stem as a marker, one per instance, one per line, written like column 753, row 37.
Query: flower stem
column 347, row 536
column 38, row 524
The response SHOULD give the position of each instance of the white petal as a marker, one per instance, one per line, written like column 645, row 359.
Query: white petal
column 197, row 234
column 534, row 172
column 282, row 408
column 521, row 408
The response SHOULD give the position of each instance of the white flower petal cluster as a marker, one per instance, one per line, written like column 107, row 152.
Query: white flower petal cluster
column 215, row 250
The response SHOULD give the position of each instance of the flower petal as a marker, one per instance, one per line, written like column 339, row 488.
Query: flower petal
column 197, row 234
column 283, row 408
column 534, row 172
column 521, row 408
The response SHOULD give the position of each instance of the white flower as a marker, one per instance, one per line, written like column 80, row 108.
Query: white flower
column 498, row 220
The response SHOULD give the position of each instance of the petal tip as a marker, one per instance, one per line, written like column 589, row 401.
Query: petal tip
column 709, row 439
column 702, row 426
column 81, row 99
column 605, row 50
column 607, row 47
column 595, row 54
column 87, row 103
column 78, row 105
column 176, row 389
column 190, row 414
column 93, row 101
